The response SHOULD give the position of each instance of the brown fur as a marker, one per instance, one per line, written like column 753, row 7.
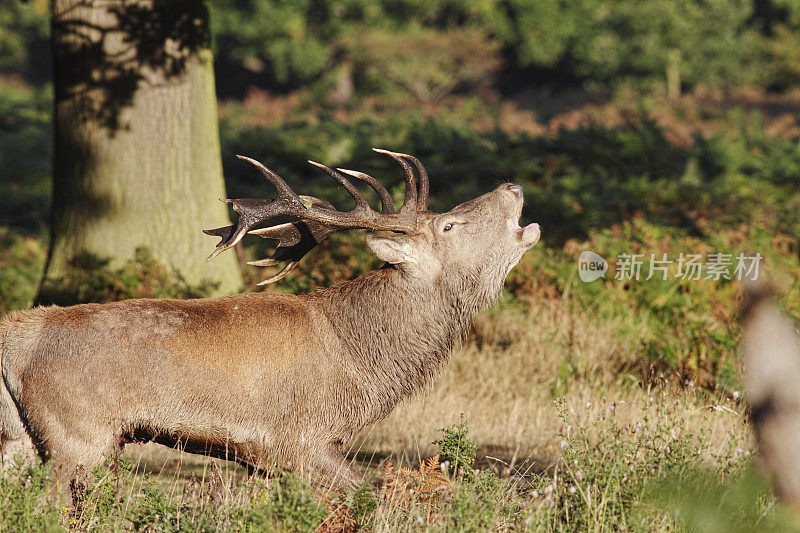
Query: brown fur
column 267, row 379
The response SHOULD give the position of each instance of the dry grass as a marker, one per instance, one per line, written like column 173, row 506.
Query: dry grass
column 505, row 378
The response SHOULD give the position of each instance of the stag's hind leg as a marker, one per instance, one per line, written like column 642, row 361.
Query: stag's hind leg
column 14, row 439
column 13, row 450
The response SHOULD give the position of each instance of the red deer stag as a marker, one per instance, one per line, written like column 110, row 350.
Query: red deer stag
column 267, row 379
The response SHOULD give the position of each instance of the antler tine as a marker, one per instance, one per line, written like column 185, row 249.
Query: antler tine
column 362, row 216
column 253, row 211
column 280, row 275
column 295, row 240
column 387, row 204
column 361, row 202
column 410, row 201
column 424, row 185
column 273, row 178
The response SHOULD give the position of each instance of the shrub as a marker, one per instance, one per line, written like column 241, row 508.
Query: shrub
column 25, row 157
column 290, row 506
column 21, row 263
column 457, row 450
column 607, row 466
column 91, row 280
column 24, row 491
column 154, row 511
column 423, row 65
column 475, row 502
column 103, row 503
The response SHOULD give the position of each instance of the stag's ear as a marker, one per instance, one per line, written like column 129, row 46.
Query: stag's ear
column 394, row 250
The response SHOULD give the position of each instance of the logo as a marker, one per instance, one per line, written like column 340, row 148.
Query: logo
column 591, row 266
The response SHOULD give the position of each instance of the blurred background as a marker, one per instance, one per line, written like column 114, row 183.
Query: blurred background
column 655, row 126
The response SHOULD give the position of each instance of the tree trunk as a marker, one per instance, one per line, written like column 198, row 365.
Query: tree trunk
column 137, row 154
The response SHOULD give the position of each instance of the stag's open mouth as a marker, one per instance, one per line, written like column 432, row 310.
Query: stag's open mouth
column 529, row 235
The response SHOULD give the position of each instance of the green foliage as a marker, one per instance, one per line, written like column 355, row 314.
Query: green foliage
column 653, row 473
column 25, row 157
column 364, row 503
column 607, row 466
column 21, row 264
column 91, row 280
column 475, row 503
column 117, row 499
column 624, row 42
column 480, row 501
column 23, row 488
column 21, row 24
column 155, row 510
column 702, row 501
column 602, row 44
column 382, row 44
column 295, row 47
column 422, row 64
column 292, row 505
column 456, row 449
column 102, row 503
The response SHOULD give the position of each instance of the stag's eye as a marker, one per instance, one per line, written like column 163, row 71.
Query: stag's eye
column 448, row 226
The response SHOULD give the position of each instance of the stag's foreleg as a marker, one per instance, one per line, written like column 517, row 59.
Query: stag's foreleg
column 73, row 448
column 327, row 468
column 324, row 466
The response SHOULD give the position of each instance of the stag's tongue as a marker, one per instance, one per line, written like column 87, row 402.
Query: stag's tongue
column 531, row 233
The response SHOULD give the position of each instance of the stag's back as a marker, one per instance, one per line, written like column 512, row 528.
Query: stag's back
column 164, row 360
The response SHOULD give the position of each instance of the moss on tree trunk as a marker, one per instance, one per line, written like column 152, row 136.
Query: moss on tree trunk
column 137, row 154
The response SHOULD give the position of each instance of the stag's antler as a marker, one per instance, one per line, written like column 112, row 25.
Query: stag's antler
column 317, row 219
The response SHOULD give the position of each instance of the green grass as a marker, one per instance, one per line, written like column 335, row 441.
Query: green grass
column 651, row 475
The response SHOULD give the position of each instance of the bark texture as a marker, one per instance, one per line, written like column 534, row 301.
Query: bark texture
column 137, row 158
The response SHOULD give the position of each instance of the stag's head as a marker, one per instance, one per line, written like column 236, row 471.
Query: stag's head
column 477, row 242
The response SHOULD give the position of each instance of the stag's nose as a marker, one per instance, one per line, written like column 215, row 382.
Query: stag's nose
column 516, row 189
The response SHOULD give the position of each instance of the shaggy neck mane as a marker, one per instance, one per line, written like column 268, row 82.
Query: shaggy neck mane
column 400, row 330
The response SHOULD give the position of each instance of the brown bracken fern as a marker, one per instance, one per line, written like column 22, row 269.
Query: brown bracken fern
column 427, row 487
